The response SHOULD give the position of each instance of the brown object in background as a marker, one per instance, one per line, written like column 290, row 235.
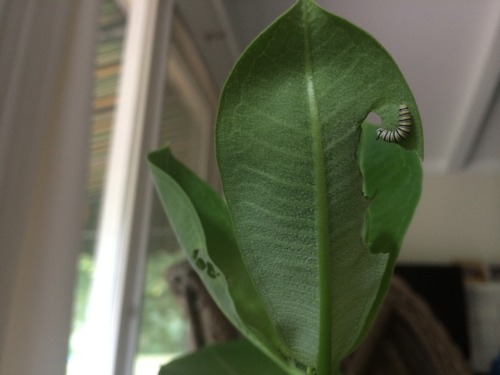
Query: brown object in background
column 406, row 339
column 207, row 324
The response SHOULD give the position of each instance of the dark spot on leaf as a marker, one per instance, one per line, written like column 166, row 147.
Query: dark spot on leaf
column 211, row 271
column 195, row 254
column 200, row 263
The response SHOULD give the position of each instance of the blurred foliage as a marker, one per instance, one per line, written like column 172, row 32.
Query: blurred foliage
column 163, row 328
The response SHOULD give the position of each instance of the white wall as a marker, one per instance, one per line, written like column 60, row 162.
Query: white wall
column 458, row 218
column 449, row 52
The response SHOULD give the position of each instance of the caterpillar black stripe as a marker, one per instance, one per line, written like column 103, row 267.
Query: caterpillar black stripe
column 402, row 131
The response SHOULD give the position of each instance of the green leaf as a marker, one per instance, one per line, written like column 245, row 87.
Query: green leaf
column 392, row 177
column 288, row 130
column 201, row 222
column 232, row 358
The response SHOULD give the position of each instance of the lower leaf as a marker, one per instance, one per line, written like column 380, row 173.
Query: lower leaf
column 238, row 357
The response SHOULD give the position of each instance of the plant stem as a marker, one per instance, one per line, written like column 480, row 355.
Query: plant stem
column 321, row 208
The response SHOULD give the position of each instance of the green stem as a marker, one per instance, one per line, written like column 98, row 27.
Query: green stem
column 321, row 208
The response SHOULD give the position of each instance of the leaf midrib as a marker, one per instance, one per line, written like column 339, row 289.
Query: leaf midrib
column 321, row 209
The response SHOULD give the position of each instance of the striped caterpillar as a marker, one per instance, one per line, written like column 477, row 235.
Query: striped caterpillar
column 402, row 131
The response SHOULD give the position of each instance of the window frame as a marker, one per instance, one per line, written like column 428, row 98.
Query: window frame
column 121, row 248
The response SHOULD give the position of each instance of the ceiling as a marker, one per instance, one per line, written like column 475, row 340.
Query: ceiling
column 449, row 51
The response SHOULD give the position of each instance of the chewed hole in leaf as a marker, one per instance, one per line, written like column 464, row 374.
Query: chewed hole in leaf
column 374, row 119
column 384, row 243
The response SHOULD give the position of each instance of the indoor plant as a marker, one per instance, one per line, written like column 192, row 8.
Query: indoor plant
column 301, row 255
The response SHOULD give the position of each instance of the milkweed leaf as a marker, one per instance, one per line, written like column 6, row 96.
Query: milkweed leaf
column 201, row 222
column 231, row 358
column 288, row 133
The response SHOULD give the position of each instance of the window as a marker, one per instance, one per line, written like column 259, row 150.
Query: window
column 106, row 75
column 125, row 318
column 187, row 126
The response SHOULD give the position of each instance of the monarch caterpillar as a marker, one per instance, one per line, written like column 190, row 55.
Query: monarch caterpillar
column 402, row 131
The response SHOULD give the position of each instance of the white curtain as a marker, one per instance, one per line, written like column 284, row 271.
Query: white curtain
column 46, row 65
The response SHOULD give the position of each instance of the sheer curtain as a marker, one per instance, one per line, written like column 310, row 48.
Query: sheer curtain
column 46, row 64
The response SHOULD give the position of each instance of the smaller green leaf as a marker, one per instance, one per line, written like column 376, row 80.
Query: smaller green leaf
column 392, row 179
column 392, row 176
column 231, row 358
column 201, row 222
